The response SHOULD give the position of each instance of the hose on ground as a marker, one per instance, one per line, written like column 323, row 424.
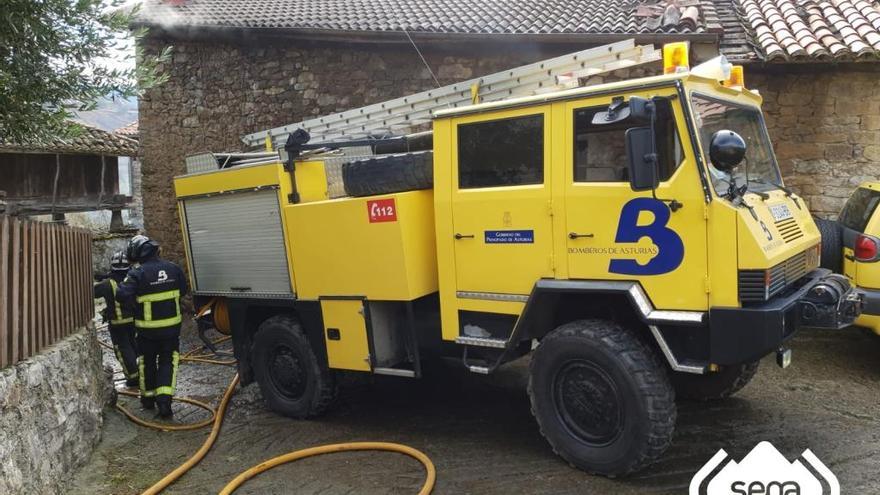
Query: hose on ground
column 427, row 487
column 187, row 357
column 203, row 450
column 164, row 426
column 217, row 420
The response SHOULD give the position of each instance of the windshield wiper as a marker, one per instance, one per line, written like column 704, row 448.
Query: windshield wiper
column 788, row 192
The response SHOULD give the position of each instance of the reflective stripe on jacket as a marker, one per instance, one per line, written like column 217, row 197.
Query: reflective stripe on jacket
column 147, row 301
column 118, row 317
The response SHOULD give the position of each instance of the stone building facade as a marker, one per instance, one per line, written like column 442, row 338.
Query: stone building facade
column 824, row 122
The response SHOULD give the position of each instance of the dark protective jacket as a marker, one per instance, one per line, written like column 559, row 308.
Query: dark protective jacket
column 154, row 290
column 114, row 314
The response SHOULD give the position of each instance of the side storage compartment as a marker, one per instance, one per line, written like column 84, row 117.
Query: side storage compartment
column 345, row 334
column 236, row 244
column 378, row 248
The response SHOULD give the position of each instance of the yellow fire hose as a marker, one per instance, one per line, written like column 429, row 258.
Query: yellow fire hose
column 332, row 448
column 203, row 450
column 167, row 427
column 217, row 420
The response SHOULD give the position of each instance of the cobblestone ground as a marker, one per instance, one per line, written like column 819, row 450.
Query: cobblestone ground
column 483, row 440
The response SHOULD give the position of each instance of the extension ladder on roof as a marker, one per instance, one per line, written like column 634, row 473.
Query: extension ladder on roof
column 400, row 115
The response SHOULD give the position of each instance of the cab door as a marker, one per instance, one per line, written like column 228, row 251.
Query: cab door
column 616, row 233
column 501, row 202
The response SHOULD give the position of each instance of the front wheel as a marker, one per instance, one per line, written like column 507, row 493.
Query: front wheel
column 292, row 380
column 716, row 385
column 602, row 397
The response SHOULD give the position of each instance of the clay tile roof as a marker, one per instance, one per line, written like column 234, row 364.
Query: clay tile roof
column 129, row 131
column 792, row 30
column 484, row 17
column 89, row 140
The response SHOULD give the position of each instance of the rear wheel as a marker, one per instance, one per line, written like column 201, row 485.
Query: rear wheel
column 714, row 386
column 291, row 378
column 602, row 397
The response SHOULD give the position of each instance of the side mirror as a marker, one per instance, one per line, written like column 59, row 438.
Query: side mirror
column 642, row 159
column 726, row 150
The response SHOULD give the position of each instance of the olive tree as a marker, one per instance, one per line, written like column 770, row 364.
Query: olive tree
column 54, row 60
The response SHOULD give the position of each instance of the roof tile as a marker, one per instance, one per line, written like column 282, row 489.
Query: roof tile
column 436, row 16
column 88, row 140
column 813, row 29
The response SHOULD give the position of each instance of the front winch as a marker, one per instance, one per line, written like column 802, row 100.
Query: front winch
column 830, row 303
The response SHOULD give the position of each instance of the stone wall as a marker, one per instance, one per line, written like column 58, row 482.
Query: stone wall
column 825, row 126
column 50, row 414
column 105, row 244
column 218, row 92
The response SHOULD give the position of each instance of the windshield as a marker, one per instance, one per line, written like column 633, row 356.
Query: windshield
column 758, row 166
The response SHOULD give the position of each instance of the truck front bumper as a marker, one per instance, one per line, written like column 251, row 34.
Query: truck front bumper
column 820, row 300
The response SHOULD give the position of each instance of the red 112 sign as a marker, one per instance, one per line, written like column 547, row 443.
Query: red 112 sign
column 382, row 210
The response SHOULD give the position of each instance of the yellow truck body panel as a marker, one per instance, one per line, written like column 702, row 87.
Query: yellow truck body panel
column 346, row 247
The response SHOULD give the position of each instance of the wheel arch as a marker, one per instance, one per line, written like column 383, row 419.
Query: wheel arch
column 247, row 314
column 555, row 302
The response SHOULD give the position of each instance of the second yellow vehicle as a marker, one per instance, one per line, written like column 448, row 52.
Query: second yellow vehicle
column 634, row 238
column 851, row 246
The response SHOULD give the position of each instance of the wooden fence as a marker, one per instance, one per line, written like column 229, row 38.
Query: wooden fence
column 45, row 285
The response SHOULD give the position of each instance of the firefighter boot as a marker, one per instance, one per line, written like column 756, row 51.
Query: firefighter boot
column 148, row 403
column 164, row 403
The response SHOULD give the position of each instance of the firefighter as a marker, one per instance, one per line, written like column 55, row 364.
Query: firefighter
column 154, row 290
column 120, row 320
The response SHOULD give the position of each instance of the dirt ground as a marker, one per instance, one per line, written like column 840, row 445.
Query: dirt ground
column 483, row 440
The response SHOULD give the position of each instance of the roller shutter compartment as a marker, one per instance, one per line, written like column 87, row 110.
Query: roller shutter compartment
column 236, row 244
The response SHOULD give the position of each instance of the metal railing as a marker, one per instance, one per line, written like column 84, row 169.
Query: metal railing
column 45, row 285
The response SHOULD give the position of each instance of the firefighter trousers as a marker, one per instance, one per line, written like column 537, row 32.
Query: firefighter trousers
column 125, row 347
column 158, row 362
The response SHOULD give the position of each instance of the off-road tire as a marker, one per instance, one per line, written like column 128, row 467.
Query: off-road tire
column 627, row 368
column 385, row 174
column 292, row 380
column 714, row 386
column 832, row 244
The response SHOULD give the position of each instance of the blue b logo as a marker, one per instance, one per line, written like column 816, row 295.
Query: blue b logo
column 670, row 248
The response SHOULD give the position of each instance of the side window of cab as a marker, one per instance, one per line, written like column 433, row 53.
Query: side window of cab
column 503, row 152
column 600, row 147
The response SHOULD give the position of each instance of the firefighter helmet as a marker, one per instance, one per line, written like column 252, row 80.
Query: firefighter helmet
column 141, row 247
column 119, row 262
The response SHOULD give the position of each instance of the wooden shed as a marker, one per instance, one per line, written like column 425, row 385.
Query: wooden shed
column 75, row 174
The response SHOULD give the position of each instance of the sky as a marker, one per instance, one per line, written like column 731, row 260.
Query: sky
column 122, row 57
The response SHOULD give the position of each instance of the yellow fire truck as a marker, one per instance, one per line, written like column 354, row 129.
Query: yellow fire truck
column 634, row 238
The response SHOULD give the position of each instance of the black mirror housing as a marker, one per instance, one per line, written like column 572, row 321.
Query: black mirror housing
column 726, row 150
column 641, row 109
column 642, row 159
